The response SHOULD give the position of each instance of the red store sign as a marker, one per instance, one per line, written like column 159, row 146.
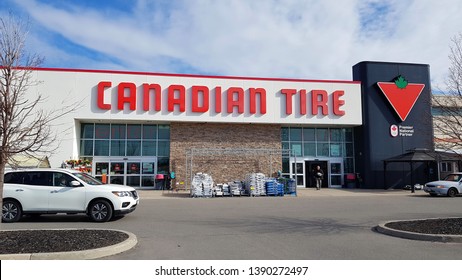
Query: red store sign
column 202, row 99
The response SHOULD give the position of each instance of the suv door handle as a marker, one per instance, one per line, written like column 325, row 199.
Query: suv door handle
column 54, row 192
column 19, row 190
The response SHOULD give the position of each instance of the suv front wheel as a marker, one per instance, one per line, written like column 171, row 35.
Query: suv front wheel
column 11, row 211
column 100, row 211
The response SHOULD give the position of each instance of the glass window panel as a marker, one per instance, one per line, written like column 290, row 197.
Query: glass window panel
column 87, row 130
column 101, row 148
column 285, row 165
column 134, row 131
column 133, row 148
column 336, row 168
column 309, row 149
column 118, row 180
column 336, row 150
column 309, row 134
column 336, row 135
column 348, row 165
column 150, row 132
column 336, row 180
column 295, row 134
column 86, row 147
column 299, row 180
column 349, row 151
column 133, row 168
column 285, row 145
column 299, row 167
column 149, row 148
column 102, row 168
column 296, row 148
column 323, row 149
column 322, row 134
column 163, row 148
column 147, row 181
column 348, row 134
column 163, row 166
column 285, row 134
column 133, row 181
column 118, row 131
column 164, row 132
column 149, row 167
column 118, row 148
column 117, row 168
column 102, row 131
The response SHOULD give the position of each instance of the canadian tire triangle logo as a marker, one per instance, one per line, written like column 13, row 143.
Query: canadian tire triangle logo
column 401, row 95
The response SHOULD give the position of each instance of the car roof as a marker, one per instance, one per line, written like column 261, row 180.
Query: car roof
column 69, row 171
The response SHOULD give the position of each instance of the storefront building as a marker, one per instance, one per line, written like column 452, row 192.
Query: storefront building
column 131, row 126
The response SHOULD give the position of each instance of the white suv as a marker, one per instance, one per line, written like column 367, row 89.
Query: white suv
column 52, row 191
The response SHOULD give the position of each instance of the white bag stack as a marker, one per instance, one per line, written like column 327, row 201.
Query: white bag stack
column 255, row 184
column 202, row 185
column 219, row 190
column 226, row 190
column 235, row 188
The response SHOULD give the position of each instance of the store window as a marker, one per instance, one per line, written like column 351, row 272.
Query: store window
column 125, row 140
column 118, row 131
column 134, row 131
column 101, row 148
column 164, row 132
column 86, row 147
column 149, row 148
column 319, row 143
column 102, row 131
column 446, row 166
column 149, row 132
column 133, row 148
column 309, row 134
column 87, row 130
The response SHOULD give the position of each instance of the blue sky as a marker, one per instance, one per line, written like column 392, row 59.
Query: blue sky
column 309, row 39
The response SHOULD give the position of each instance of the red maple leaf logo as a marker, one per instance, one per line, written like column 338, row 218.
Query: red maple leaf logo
column 401, row 95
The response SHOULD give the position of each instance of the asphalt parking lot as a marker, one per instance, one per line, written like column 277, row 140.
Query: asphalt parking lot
column 320, row 225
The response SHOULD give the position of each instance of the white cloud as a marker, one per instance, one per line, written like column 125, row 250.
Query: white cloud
column 299, row 39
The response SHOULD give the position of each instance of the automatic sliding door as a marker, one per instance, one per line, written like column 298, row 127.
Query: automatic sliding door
column 148, row 173
column 336, row 173
column 117, row 172
column 101, row 170
column 133, row 173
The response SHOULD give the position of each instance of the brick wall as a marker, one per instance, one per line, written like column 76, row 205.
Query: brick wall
column 224, row 168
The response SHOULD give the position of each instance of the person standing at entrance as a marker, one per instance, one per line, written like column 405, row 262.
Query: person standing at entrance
column 318, row 176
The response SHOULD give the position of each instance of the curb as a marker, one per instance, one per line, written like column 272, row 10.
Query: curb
column 446, row 238
column 90, row 254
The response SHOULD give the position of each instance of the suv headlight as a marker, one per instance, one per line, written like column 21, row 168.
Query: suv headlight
column 122, row 193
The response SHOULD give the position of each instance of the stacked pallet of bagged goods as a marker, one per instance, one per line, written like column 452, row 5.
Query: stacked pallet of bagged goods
column 202, row 185
column 235, row 188
column 274, row 188
column 218, row 190
column 255, row 184
column 226, row 191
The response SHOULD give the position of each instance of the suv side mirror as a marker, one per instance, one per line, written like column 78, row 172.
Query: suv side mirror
column 75, row 184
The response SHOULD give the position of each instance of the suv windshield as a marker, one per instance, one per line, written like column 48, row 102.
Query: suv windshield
column 453, row 177
column 87, row 178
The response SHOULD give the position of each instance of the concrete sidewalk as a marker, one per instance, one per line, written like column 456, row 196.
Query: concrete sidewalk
column 301, row 192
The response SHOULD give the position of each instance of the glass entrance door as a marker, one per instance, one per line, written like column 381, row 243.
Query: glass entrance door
column 336, row 173
column 135, row 172
column 298, row 170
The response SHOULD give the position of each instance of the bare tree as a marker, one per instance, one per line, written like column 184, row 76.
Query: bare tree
column 447, row 107
column 25, row 126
